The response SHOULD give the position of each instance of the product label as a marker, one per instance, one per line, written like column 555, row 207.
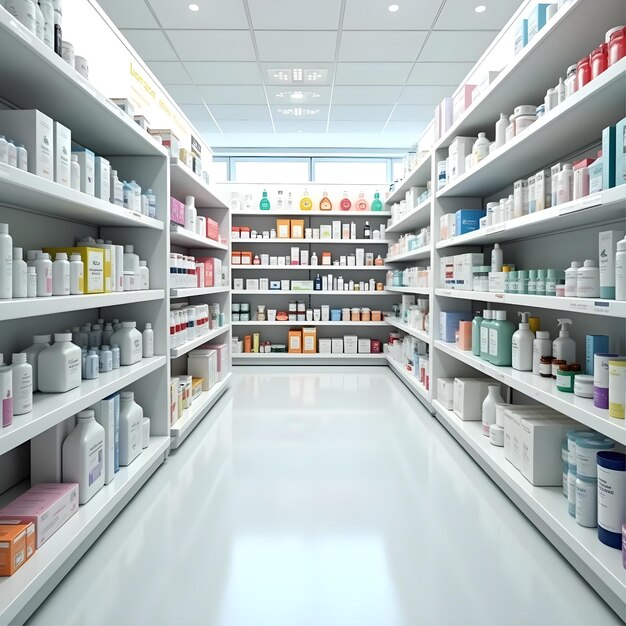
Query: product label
column 7, row 410
column 571, row 487
column 586, row 507
column 95, row 462
column 493, row 342
column 484, row 340
column 611, row 499
column 565, row 381
column 586, row 464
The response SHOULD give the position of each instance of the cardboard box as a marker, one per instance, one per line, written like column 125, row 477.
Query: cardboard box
column 445, row 392
column 168, row 139
column 297, row 229
column 350, row 344
column 449, row 324
column 607, row 249
column 594, row 344
column 309, row 340
column 283, row 229
column 336, row 229
column 102, row 179
column 12, row 547
column 35, row 131
column 295, row 342
column 469, row 395
column 177, row 212
column 543, row 190
column 45, row 453
column 203, row 364
column 173, row 400
column 365, row 346
column 196, row 388
column 87, row 162
column 467, row 220
column 212, row 229
column 521, row 36
column 536, row 20
column 94, row 263
column 326, row 231
column 462, row 101
column 460, row 148
column 223, row 367
column 337, row 345
column 325, row 346
column 246, row 257
column 63, row 156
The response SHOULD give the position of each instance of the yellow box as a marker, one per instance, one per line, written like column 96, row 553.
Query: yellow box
column 283, row 229
column 297, row 229
column 309, row 340
column 256, row 338
column 95, row 266
column 196, row 387
column 295, row 342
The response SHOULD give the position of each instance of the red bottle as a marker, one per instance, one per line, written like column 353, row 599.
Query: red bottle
column 583, row 73
column 346, row 203
column 617, row 46
column 599, row 60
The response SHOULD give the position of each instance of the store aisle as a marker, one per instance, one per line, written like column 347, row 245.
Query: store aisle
column 315, row 497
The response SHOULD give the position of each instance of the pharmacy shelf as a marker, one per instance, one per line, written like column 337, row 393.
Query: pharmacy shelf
column 544, row 390
column 606, row 308
column 410, row 381
column 418, row 217
column 19, row 308
column 417, row 178
column 186, row 347
column 314, row 213
column 545, row 507
column 180, row 236
column 419, row 291
column 41, row 79
column 589, row 110
column 300, row 292
column 596, row 209
column 192, row 416
column 323, row 268
column 183, row 182
column 311, row 359
column 47, row 567
column 576, row 29
column 35, row 194
column 305, row 323
column 413, row 255
column 49, row 409
column 267, row 240
column 400, row 325
column 196, row 291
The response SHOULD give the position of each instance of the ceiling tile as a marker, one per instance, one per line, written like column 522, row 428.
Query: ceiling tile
column 196, row 112
column 215, row 73
column 151, row 45
column 240, row 112
column 374, row 15
column 366, row 112
column 213, row 14
column 246, row 126
column 129, row 14
column 298, row 112
column 169, row 72
column 296, row 46
column 451, row 46
column 185, row 94
column 232, row 94
column 460, row 15
column 409, row 130
column 372, row 73
column 412, row 112
column 206, row 127
column 356, row 127
column 366, row 95
column 311, row 73
column 381, row 46
column 212, row 45
column 290, row 15
column 310, row 94
column 304, row 126
column 425, row 94
column 439, row 73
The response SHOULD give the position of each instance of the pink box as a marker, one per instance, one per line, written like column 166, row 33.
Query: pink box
column 48, row 506
column 212, row 229
column 462, row 101
column 212, row 271
column 177, row 212
column 222, row 358
column 445, row 116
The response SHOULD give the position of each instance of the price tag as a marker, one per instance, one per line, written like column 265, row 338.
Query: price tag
column 571, row 207
column 580, row 306
column 603, row 308
column 593, row 200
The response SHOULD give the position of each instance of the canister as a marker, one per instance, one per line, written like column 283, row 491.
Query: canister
column 587, row 447
column 601, row 378
column 586, row 501
column 617, row 386
column 583, row 386
column 611, row 497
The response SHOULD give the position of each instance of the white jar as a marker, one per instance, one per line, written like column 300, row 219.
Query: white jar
column 587, row 502
column 130, row 343
column 43, row 265
column 481, row 148
column 131, row 416
column 6, row 263
column 48, row 30
column 59, row 367
column 77, row 275
column 191, row 213
column 61, row 275
column 22, row 385
column 144, row 275
column 83, row 456
column 489, row 407
column 40, row 343
column 571, row 279
column 148, row 342
column 20, row 282
column 588, row 280
column 24, row 12
column 523, row 122
column 75, row 173
column 620, row 271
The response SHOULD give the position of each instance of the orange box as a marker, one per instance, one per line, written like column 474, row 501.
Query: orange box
column 13, row 547
column 377, row 316
column 283, row 229
column 309, row 341
column 246, row 258
column 297, row 229
column 295, row 342
column 356, row 316
column 366, row 315
column 247, row 343
column 235, row 231
column 236, row 258
column 327, row 258
column 244, row 232
column 464, row 337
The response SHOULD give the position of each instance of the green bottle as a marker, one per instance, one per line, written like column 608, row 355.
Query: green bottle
column 377, row 205
column 484, row 334
column 476, row 322
column 265, row 203
column 501, row 340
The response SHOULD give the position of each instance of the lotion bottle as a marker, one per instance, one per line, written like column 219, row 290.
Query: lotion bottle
column 59, row 366
column 31, row 285
column 6, row 263
column 148, row 342
column 542, row 346
column 264, row 205
column 481, row 148
column 497, row 258
column 306, row 204
column 500, row 340
column 588, row 280
column 488, row 316
column 191, row 215
column 22, row 385
column 501, row 126
column 346, row 203
column 20, row 280
column 377, row 205
column 476, row 322
column 43, row 265
column 571, row 280
column 361, row 203
column 40, row 343
column 75, row 173
column 489, row 407
column 325, row 203
column 77, row 275
column 564, row 347
column 522, row 345
column 131, row 415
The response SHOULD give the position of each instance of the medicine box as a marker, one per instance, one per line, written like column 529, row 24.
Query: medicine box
column 45, row 453
column 365, row 346
column 469, row 395
column 87, row 162
column 294, row 345
column 594, row 344
column 497, row 282
column 63, row 156
column 203, row 364
column 177, row 212
column 467, row 220
column 447, row 225
column 252, row 284
column 536, row 20
column 444, row 112
column 35, row 131
column 94, row 266
column 309, row 340
column 212, row 270
column 461, row 102
column 283, row 229
column 460, row 148
column 543, row 190
column 297, row 229
column 609, row 143
column 301, row 285
column 13, row 550
column 325, row 346
column 212, row 229
column 445, row 392
column 221, row 350
column 449, row 323
column 337, row 345
column 326, row 231
column 607, row 251
column 521, row 36
column 168, row 139
column 102, row 179
column 350, row 344
column 620, row 153
column 173, row 400
column 107, row 415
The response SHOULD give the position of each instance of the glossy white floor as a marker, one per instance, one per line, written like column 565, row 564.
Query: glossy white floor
column 321, row 496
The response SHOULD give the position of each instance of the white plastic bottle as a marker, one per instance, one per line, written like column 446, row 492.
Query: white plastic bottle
column 24, row 12
column 39, row 22
column 83, row 456
column 481, row 148
column 620, row 270
column 565, row 184
column 91, row 371
column 6, row 263
column 190, row 213
column 564, row 347
column 144, row 275
column 130, row 343
column 22, row 158
column 59, row 367
column 95, row 336
column 31, row 282
column 43, row 265
column 148, row 342
column 571, row 279
column 489, row 407
column 131, row 416
column 107, row 333
column 151, row 203
column 48, row 30
column 117, row 189
column 61, row 275
column 497, row 258
column 131, row 260
column 115, row 354
column 20, row 281
column 22, row 385
column 4, row 150
column 12, row 154
column 77, row 275
column 6, row 394
column 40, row 343
column 588, row 280
column 542, row 346
column 522, row 346
column 106, row 359
column 501, row 126
column 136, row 199
column 75, row 173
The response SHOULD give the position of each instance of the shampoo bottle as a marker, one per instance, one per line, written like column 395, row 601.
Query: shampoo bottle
column 484, row 333
column 61, row 275
column 522, row 345
column 40, row 343
column 20, row 281
column 489, row 407
column 325, row 203
column 497, row 258
column 501, row 126
column 6, row 263
column 571, row 280
column 361, row 204
column 500, row 340
column 191, row 214
column 542, row 346
column 306, row 204
column 59, row 366
column 481, row 148
column 377, row 205
column 564, row 347
column 345, row 204
column 43, row 265
column 264, row 205
column 476, row 322
column 131, row 415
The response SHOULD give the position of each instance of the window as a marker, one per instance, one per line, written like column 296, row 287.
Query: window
column 219, row 171
column 350, row 171
column 268, row 170
column 398, row 169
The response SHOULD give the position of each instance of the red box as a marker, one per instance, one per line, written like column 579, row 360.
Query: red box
column 212, row 229
column 235, row 258
column 583, row 163
column 235, row 232
column 177, row 212
column 212, row 269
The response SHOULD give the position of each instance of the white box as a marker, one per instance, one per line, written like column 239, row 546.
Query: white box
column 87, row 162
column 543, row 190
column 326, row 231
column 350, row 344
column 45, row 453
column 285, row 285
column 63, row 155
column 360, row 256
column 34, row 130
column 365, row 346
column 607, row 249
column 238, row 284
column 252, row 284
column 520, row 197
column 107, row 416
column 465, row 280
column 497, row 282
column 102, row 179
column 469, row 395
column 325, row 346
column 460, row 148
column 336, row 344
column 203, row 364
column 264, row 284
column 445, row 392
column 295, row 256
column 447, row 226
column 336, row 230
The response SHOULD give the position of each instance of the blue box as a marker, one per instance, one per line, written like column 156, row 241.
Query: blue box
column 521, row 36
column 537, row 20
column 468, row 220
column 608, row 157
column 335, row 315
column 594, row 344
column 449, row 323
column 595, row 176
column 620, row 153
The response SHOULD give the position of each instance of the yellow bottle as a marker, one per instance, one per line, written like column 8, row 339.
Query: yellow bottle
column 325, row 203
column 306, row 204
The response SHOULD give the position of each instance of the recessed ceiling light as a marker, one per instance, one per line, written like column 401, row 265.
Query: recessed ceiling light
column 297, row 75
column 297, row 95
column 194, row 7
column 394, row 7
column 299, row 111
column 481, row 8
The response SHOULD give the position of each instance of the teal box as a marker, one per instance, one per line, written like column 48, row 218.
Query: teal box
column 595, row 344
column 620, row 153
column 595, row 176
column 608, row 157
column 537, row 20
column 521, row 36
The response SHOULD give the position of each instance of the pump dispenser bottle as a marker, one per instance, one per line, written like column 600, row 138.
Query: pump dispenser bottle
column 476, row 322
column 564, row 347
column 522, row 345
column 306, row 204
column 484, row 334
column 346, row 203
column 361, row 204
column 325, row 203
column 501, row 340
column 264, row 205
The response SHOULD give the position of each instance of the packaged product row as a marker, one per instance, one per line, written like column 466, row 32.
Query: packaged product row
column 411, row 354
column 300, row 256
column 295, row 229
column 409, row 242
column 413, row 312
column 186, row 215
column 189, row 322
column 416, row 155
column 415, row 197
column 320, row 283
column 306, row 341
column 409, row 277
column 305, row 202
column 298, row 311
column 190, row 272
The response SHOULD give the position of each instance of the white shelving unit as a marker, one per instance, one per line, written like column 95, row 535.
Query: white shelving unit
column 400, row 325
column 184, row 238
column 334, row 214
column 277, row 358
column 196, row 291
column 415, row 218
column 335, row 324
column 276, row 240
column 188, row 346
column 313, row 268
column 413, row 255
column 419, row 291
column 414, row 385
column 416, row 178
